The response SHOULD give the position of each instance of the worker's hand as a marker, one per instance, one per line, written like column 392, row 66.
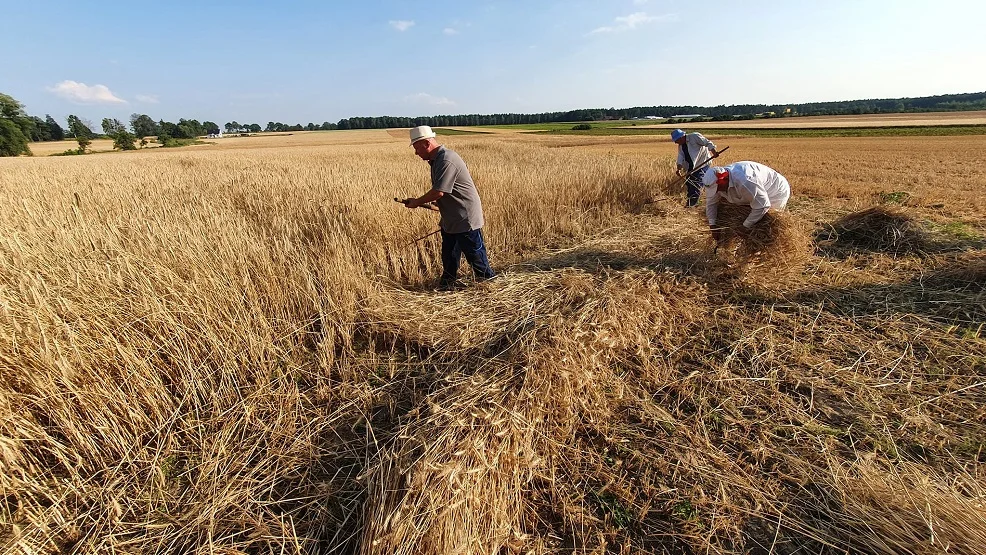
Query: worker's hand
column 715, row 153
column 717, row 234
column 412, row 203
column 678, row 170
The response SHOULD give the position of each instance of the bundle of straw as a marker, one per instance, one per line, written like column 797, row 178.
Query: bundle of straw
column 777, row 241
column 877, row 229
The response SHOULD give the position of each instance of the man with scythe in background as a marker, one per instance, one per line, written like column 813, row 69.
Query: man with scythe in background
column 693, row 151
column 455, row 194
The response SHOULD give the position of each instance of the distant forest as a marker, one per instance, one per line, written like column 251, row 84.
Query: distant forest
column 942, row 103
column 18, row 129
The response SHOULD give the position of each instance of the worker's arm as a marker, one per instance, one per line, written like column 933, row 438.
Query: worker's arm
column 430, row 196
column 700, row 138
column 441, row 184
column 759, row 207
column 711, row 207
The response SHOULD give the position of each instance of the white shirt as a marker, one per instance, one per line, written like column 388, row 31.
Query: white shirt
column 752, row 184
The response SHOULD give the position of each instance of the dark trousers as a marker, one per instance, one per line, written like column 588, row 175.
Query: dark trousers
column 694, row 186
column 470, row 243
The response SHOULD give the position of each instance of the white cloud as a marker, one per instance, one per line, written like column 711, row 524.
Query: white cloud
column 147, row 98
column 630, row 22
column 401, row 25
column 450, row 31
column 425, row 98
column 80, row 93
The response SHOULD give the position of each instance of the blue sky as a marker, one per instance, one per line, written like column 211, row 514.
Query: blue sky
column 315, row 61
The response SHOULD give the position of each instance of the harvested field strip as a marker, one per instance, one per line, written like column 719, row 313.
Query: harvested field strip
column 612, row 367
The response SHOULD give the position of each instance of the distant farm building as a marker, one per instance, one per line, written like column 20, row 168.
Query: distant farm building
column 687, row 116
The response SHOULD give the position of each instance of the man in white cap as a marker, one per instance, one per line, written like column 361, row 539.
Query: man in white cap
column 693, row 151
column 453, row 190
column 755, row 185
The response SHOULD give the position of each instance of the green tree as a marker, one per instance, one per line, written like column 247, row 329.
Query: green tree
column 80, row 129
column 124, row 140
column 210, row 127
column 11, row 108
column 117, row 130
column 113, row 126
column 13, row 142
column 168, row 131
column 191, row 128
column 39, row 131
column 163, row 137
column 54, row 130
column 254, row 128
column 143, row 126
column 15, row 127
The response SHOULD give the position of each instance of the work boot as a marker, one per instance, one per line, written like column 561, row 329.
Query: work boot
column 450, row 285
column 485, row 279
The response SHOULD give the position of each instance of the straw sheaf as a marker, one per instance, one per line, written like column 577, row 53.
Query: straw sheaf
column 776, row 246
column 877, row 229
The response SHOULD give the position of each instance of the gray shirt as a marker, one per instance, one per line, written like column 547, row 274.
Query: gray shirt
column 460, row 206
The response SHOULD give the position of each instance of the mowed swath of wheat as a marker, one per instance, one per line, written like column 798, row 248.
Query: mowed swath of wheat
column 234, row 348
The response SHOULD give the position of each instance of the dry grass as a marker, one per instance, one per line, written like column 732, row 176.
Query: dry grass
column 230, row 349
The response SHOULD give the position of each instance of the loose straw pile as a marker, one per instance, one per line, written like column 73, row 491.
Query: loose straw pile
column 778, row 242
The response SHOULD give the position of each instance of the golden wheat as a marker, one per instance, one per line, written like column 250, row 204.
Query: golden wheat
column 233, row 348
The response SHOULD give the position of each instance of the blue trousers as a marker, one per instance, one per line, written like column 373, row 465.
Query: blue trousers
column 470, row 243
column 694, row 185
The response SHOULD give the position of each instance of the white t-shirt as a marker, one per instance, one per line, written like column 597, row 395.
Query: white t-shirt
column 752, row 184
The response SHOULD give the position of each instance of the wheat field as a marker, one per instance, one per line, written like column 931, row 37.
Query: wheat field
column 235, row 348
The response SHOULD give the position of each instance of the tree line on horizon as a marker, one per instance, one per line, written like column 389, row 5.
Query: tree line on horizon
column 18, row 129
column 940, row 103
